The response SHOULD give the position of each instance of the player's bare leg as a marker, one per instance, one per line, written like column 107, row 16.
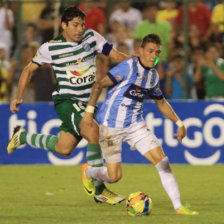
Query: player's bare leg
column 66, row 143
column 95, row 159
column 101, row 174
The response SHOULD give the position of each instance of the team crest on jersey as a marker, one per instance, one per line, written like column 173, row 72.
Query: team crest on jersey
column 86, row 47
column 136, row 93
column 110, row 141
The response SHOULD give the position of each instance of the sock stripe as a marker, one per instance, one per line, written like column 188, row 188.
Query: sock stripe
column 51, row 143
column 22, row 137
column 91, row 153
column 44, row 141
column 47, row 140
column 28, row 138
column 94, row 157
column 96, row 163
column 33, row 140
column 97, row 183
column 41, row 141
column 37, row 141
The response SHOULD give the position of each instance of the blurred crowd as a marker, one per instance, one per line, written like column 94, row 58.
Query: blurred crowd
column 197, row 74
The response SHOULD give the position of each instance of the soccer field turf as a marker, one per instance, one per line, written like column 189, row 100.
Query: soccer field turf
column 54, row 194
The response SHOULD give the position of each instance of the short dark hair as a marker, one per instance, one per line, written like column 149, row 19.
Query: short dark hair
column 71, row 13
column 151, row 38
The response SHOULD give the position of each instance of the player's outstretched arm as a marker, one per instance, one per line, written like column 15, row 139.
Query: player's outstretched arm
column 118, row 56
column 97, row 89
column 166, row 109
column 24, row 79
column 87, row 119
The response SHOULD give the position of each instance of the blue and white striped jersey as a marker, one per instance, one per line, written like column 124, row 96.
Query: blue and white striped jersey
column 124, row 100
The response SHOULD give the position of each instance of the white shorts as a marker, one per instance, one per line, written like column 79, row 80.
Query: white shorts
column 138, row 136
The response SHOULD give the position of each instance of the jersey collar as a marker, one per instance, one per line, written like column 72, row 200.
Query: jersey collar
column 147, row 68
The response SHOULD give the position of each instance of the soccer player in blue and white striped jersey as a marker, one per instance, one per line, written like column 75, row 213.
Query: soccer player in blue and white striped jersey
column 121, row 119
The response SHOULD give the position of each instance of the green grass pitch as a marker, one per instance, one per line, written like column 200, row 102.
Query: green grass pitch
column 54, row 194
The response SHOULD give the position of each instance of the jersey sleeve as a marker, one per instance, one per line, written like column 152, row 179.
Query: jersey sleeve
column 102, row 46
column 155, row 92
column 42, row 56
column 119, row 72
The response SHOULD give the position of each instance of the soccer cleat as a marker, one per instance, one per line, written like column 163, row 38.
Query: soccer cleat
column 15, row 140
column 184, row 210
column 109, row 197
column 88, row 185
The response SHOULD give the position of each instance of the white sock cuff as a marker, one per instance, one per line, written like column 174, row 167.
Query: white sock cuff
column 163, row 165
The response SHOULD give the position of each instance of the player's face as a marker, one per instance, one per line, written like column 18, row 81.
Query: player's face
column 74, row 30
column 149, row 53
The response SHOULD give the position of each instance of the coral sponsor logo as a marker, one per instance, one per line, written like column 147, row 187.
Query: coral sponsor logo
column 82, row 76
column 136, row 93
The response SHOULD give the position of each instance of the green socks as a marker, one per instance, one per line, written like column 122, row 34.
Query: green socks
column 95, row 159
column 46, row 142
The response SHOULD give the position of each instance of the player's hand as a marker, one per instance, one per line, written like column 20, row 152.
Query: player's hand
column 181, row 133
column 14, row 104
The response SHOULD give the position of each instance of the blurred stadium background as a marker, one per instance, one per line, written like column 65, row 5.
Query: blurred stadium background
column 192, row 31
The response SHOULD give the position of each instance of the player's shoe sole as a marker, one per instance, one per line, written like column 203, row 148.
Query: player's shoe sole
column 185, row 211
column 109, row 197
column 15, row 140
column 88, row 185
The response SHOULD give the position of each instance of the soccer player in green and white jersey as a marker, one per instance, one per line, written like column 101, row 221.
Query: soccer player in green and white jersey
column 73, row 58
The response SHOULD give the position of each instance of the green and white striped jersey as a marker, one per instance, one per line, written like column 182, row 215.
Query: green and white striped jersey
column 74, row 64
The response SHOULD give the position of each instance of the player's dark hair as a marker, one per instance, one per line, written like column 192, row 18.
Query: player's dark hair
column 71, row 13
column 151, row 38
